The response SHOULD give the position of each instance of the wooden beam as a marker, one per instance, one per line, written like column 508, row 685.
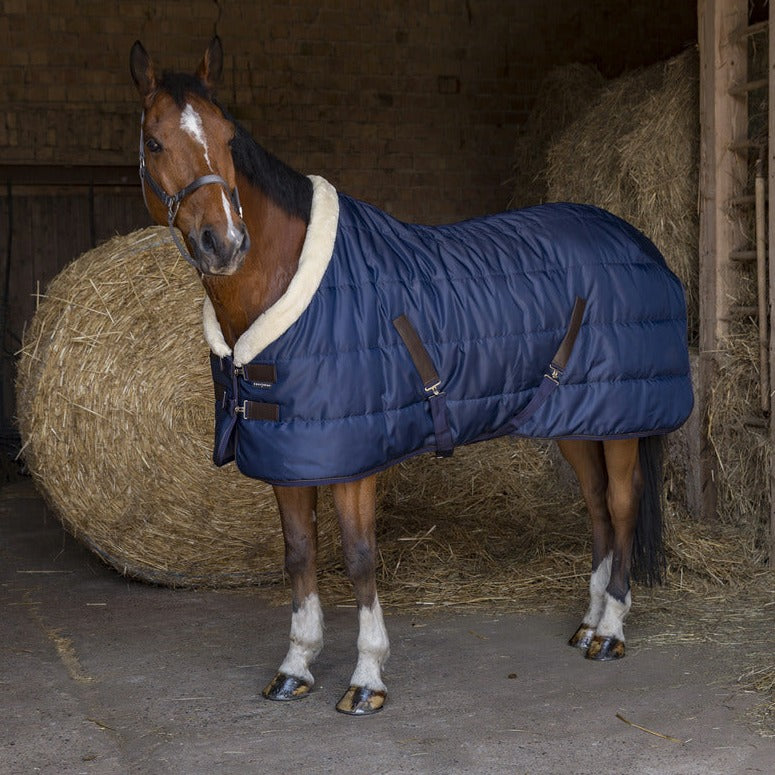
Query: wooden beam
column 69, row 175
column 723, row 119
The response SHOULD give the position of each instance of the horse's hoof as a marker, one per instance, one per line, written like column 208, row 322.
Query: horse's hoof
column 582, row 637
column 286, row 687
column 361, row 701
column 603, row 649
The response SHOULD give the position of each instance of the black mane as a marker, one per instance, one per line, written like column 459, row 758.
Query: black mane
column 287, row 188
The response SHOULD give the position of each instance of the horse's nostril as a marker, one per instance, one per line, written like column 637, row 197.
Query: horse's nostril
column 245, row 244
column 207, row 241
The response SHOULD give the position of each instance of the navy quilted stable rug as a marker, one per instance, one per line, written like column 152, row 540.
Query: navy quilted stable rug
column 557, row 321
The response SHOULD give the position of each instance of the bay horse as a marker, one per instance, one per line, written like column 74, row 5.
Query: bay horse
column 260, row 236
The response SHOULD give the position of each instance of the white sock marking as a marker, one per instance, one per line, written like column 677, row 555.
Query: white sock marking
column 373, row 648
column 612, row 622
column 598, row 582
column 306, row 639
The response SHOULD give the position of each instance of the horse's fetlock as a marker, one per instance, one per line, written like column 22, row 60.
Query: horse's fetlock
column 619, row 592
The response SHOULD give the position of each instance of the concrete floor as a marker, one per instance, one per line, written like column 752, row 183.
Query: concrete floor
column 102, row 675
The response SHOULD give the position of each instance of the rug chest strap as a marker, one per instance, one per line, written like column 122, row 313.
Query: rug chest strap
column 551, row 379
column 431, row 382
column 250, row 410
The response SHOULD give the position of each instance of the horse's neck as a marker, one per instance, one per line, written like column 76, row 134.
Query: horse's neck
column 276, row 239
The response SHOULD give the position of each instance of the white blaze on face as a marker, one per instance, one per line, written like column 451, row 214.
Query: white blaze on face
column 191, row 124
column 231, row 227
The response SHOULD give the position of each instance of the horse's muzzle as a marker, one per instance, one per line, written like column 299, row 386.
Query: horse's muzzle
column 218, row 253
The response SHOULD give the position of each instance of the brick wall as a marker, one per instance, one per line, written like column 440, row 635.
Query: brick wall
column 412, row 105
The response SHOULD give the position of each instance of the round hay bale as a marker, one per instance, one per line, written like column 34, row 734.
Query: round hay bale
column 115, row 407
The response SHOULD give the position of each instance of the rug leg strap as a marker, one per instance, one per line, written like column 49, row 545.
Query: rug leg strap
column 551, row 379
column 431, row 382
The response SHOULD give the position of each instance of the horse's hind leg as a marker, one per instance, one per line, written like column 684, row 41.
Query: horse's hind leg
column 587, row 459
column 355, row 504
column 297, row 512
column 625, row 485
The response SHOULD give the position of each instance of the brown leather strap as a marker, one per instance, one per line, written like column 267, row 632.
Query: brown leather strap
column 432, row 384
column 422, row 361
column 258, row 410
column 260, row 373
column 551, row 380
column 560, row 360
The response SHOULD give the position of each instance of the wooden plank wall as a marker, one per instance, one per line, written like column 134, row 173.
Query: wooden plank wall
column 44, row 226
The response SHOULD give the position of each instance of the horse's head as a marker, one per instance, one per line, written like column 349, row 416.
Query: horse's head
column 186, row 163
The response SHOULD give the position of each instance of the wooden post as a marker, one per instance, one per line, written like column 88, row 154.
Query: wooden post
column 723, row 119
column 771, row 242
column 762, row 292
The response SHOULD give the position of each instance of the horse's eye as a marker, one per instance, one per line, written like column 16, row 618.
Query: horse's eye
column 152, row 145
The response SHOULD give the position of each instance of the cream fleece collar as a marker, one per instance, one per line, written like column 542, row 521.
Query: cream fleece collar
column 315, row 255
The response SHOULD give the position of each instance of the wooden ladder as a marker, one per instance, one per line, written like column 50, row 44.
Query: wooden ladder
column 727, row 201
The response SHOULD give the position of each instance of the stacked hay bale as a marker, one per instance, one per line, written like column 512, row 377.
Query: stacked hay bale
column 635, row 152
column 564, row 94
column 115, row 406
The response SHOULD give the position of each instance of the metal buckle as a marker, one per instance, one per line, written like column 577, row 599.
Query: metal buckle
column 434, row 389
column 554, row 374
column 173, row 205
column 241, row 409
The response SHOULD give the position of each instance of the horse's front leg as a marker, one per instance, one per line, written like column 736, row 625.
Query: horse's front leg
column 297, row 512
column 355, row 504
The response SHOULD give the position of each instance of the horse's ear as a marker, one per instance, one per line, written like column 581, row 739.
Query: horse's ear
column 141, row 67
column 211, row 66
